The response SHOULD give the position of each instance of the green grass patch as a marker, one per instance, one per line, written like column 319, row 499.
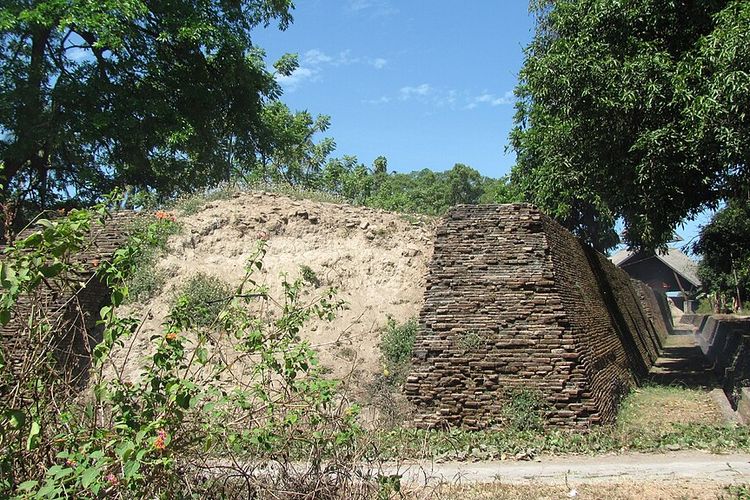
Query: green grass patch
column 203, row 297
column 194, row 203
column 652, row 419
column 150, row 235
column 457, row 444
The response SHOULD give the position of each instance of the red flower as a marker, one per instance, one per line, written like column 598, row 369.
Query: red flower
column 160, row 441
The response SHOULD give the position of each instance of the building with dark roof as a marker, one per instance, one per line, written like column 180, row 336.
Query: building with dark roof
column 673, row 273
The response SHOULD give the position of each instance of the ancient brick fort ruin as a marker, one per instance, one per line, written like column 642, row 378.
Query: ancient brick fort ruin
column 514, row 301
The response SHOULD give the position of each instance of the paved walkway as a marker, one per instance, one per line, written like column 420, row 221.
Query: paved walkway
column 683, row 465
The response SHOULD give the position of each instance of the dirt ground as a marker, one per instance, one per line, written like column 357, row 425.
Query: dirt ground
column 377, row 260
column 674, row 475
column 614, row 491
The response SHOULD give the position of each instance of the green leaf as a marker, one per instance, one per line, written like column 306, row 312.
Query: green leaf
column 117, row 297
column 202, row 355
column 28, row 485
column 32, row 440
column 52, row 270
column 90, row 475
column 16, row 418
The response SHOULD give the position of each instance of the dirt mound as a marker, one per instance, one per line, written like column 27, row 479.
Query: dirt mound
column 377, row 260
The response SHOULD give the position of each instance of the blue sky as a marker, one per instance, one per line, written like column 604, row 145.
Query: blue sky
column 426, row 84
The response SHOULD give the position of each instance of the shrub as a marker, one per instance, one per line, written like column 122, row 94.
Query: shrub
column 150, row 235
column 192, row 204
column 156, row 437
column 397, row 342
column 202, row 298
column 525, row 410
column 309, row 276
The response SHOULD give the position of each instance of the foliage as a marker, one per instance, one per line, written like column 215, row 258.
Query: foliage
column 425, row 191
column 193, row 203
column 309, row 276
column 396, row 345
column 161, row 96
column 459, row 444
column 293, row 157
column 202, row 298
column 526, row 410
column 149, row 235
column 724, row 247
column 156, row 434
column 633, row 110
column 34, row 269
column 384, row 392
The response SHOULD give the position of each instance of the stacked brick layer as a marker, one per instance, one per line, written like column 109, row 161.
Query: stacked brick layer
column 71, row 313
column 514, row 301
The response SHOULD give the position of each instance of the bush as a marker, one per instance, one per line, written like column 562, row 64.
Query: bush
column 192, row 204
column 150, row 235
column 158, row 436
column 309, row 276
column 397, row 341
column 202, row 298
column 525, row 410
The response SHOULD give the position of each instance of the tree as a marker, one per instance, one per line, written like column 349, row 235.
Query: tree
column 724, row 246
column 162, row 95
column 634, row 110
column 286, row 148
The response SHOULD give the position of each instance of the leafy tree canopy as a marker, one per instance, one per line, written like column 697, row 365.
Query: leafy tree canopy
column 160, row 95
column 724, row 246
column 635, row 110
column 423, row 191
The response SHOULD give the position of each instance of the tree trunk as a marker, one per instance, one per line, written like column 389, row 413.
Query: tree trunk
column 32, row 129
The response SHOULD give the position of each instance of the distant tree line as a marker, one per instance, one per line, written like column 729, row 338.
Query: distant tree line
column 424, row 191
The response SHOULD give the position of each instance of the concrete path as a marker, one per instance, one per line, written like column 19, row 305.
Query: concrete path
column 684, row 465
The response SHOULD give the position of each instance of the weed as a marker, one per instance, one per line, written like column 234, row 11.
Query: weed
column 298, row 193
column 739, row 491
column 469, row 340
column 397, row 344
column 525, row 410
column 150, row 235
column 202, row 298
column 348, row 353
column 192, row 204
column 309, row 276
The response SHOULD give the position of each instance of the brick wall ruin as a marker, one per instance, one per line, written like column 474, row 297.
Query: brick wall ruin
column 515, row 301
column 71, row 313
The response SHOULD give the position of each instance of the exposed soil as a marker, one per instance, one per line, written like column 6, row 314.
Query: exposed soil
column 670, row 475
column 377, row 260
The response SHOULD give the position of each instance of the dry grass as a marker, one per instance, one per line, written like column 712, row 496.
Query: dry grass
column 612, row 491
column 657, row 409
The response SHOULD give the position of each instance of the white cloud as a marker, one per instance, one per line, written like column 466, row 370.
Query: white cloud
column 446, row 98
column 300, row 75
column 315, row 57
column 379, row 63
column 409, row 92
column 491, row 99
column 373, row 8
column 314, row 62
column 357, row 5
column 381, row 100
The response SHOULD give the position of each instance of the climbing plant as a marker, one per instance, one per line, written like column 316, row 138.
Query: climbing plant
column 213, row 405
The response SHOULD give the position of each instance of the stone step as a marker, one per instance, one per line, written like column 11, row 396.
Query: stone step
column 683, row 330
